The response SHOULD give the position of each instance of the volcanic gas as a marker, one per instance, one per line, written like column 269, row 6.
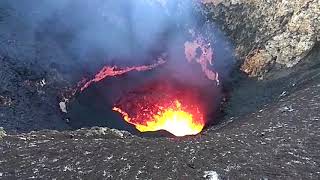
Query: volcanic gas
column 170, row 101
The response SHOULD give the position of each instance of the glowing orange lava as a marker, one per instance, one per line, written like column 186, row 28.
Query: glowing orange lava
column 163, row 104
column 111, row 71
column 172, row 119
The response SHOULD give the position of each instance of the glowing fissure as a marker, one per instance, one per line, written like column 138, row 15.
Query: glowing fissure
column 111, row 71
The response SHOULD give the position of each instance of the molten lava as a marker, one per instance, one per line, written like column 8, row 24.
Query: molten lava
column 172, row 119
column 163, row 105
column 111, row 71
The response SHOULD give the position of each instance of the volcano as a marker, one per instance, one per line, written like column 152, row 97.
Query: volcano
column 143, row 82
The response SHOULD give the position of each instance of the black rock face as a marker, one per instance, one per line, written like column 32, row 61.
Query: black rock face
column 27, row 102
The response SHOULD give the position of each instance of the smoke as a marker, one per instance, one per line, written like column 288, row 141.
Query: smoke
column 97, row 32
column 121, row 28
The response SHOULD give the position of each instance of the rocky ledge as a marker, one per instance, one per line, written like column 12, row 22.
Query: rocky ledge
column 268, row 33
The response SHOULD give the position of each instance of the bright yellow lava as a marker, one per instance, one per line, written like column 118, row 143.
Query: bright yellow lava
column 175, row 121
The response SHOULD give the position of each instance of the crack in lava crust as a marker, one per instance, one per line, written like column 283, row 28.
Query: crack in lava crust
column 111, row 71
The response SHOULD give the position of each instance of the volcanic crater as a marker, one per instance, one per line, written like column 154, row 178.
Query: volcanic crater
column 180, row 95
column 80, row 82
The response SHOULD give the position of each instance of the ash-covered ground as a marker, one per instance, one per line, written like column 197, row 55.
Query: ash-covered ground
column 270, row 128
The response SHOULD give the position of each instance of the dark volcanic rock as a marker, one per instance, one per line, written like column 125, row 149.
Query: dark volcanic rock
column 30, row 83
column 27, row 99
